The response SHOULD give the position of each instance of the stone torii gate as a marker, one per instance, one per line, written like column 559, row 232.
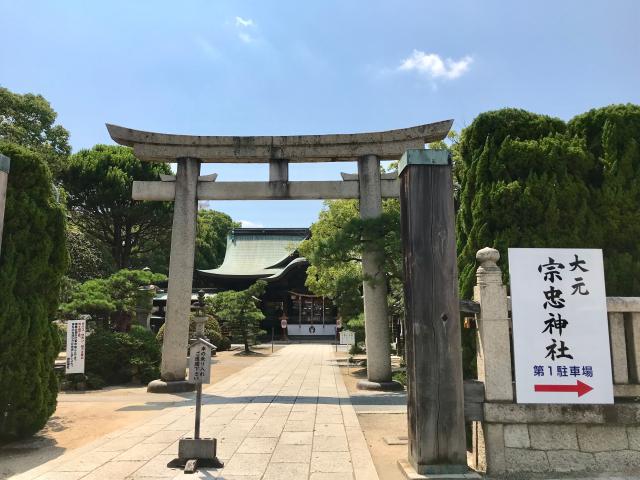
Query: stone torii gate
column 434, row 365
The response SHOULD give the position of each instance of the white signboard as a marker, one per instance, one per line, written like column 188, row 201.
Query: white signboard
column 560, row 328
column 199, row 362
column 76, row 330
column 347, row 337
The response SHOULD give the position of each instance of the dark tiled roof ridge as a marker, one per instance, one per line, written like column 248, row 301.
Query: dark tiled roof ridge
column 271, row 231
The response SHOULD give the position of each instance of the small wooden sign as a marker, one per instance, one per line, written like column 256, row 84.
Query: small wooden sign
column 200, row 361
column 347, row 337
column 76, row 332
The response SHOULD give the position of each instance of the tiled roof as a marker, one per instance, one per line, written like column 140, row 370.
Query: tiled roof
column 260, row 253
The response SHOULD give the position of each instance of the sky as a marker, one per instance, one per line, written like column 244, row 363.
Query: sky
column 216, row 67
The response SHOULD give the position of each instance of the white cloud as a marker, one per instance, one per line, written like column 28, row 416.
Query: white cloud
column 250, row 224
column 241, row 22
column 434, row 66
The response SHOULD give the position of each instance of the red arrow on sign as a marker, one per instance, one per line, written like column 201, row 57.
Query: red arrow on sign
column 580, row 388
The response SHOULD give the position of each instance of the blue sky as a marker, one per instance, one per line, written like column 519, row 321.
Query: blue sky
column 260, row 67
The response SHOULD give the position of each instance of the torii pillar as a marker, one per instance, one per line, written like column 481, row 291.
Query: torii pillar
column 181, row 263
column 374, row 285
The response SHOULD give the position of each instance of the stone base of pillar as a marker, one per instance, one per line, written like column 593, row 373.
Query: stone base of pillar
column 178, row 386
column 443, row 471
column 384, row 386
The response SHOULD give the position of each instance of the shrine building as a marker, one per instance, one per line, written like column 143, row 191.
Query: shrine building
column 271, row 254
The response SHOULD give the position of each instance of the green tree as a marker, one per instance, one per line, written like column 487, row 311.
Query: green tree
column 211, row 331
column 32, row 262
column 335, row 247
column 211, row 240
column 28, row 120
column 110, row 300
column 99, row 182
column 87, row 260
column 119, row 357
column 529, row 180
column 612, row 138
column 239, row 312
column 522, row 184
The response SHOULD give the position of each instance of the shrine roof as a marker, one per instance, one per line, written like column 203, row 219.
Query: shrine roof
column 387, row 145
column 266, row 253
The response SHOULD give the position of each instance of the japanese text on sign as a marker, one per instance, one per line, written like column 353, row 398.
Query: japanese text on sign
column 560, row 328
column 347, row 337
column 76, row 331
column 199, row 362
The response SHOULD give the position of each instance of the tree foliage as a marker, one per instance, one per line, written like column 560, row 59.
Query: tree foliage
column 32, row 262
column 119, row 357
column 335, row 247
column 529, row 180
column 112, row 299
column 239, row 312
column 98, row 183
column 211, row 239
column 612, row 138
column 87, row 258
column 211, row 331
column 28, row 120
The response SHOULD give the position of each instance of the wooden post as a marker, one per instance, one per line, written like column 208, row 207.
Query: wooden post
column 433, row 352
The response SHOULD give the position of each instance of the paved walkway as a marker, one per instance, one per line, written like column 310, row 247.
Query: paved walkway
column 287, row 417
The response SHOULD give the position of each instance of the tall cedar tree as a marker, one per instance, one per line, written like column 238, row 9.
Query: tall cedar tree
column 28, row 120
column 32, row 262
column 529, row 180
column 612, row 138
column 239, row 312
column 523, row 183
column 99, row 182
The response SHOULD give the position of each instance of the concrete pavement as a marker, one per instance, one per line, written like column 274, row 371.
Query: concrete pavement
column 288, row 416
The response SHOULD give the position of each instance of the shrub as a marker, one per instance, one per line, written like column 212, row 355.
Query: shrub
column 211, row 331
column 32, row 262
column 400, row 377
column 118, row 357
column 225, row 344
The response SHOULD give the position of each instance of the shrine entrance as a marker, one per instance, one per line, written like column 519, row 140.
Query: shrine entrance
column 425, row 189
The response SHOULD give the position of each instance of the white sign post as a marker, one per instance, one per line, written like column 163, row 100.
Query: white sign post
column 560, row 328
column 76, row 332
column 347, row 337
column 200, row 361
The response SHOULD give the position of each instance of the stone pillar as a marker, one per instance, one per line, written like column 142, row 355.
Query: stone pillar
column 181, row 262
column 494, row 346
column 4, row 179
column 375, row 285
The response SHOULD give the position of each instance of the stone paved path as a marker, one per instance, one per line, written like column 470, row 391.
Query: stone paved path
column 286, row 417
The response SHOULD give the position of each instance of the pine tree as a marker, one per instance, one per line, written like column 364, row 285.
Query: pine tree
column 32, row 262
column 238, row 311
